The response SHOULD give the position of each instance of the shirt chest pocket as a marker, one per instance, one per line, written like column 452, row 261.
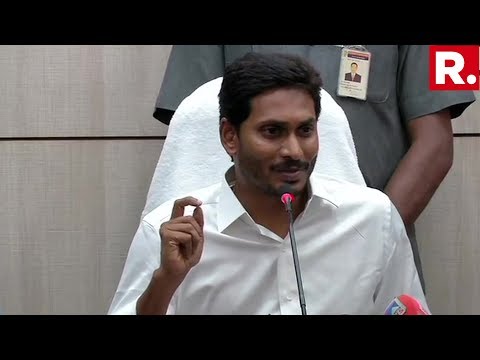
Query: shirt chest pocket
column 326, row 58
column 382, row 73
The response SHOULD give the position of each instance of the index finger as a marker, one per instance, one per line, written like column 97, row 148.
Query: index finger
column 179, row 205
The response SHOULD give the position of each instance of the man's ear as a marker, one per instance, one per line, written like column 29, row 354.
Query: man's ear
column 229, row 137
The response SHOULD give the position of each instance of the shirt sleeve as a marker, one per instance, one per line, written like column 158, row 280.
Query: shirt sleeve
column 415, row 97
column 400, row 276
column 188, row 67
column 143, row 259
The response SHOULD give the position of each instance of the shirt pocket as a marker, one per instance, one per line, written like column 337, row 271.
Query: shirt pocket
column 326, row 58
column 382, row 79
column 382, row 72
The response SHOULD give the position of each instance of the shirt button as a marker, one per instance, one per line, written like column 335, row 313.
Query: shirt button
column 289, row 298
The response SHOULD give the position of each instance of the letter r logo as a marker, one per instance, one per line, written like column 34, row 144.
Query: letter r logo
column 454, row 67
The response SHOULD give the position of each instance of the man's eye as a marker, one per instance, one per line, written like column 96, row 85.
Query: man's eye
column 306, row 130
column 271, row 131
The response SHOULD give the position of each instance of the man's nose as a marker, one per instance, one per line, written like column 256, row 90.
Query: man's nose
column 291, row 148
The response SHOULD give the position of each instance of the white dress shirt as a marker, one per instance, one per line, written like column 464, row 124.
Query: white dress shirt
column 355, row 257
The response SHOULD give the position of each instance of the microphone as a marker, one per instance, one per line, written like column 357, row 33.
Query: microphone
column 405, row 305
column 287, row 198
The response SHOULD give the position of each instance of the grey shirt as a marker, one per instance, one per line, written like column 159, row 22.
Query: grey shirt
column 397, row 93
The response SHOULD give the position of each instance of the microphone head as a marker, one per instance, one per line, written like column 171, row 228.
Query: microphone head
column 405, row 305
column 287, row 196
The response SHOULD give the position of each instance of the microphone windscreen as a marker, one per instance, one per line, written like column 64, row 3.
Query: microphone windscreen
column 287, row 194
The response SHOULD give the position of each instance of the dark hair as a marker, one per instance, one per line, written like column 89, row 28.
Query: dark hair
column 256, row 73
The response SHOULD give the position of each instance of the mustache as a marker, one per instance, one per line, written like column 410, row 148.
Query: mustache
column 292, row 165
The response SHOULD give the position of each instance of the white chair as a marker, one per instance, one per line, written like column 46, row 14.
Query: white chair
column 193, row 157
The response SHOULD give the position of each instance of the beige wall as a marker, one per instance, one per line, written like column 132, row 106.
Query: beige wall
column 70, row 206
column 449, row 229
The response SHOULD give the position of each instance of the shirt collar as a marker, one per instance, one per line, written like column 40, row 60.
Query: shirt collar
column 230, row 208
column 320, row 191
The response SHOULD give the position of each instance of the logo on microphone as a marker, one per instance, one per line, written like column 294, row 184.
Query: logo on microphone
column 396, row 307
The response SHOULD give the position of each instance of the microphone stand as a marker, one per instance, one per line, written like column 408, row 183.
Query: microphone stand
column 296, row 263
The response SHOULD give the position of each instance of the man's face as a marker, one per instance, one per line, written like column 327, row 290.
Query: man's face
column 354, row 68
column 278, row 143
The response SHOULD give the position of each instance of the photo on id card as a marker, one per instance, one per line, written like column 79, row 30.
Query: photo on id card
column 353, row 73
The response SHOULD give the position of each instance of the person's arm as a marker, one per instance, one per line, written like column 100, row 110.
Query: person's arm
column 427, row 115
column 398, row 275
column 182, row 247
column 157, row 297
column 158, row 261
column 188, row 67
column 142, row 260
column 425, row 165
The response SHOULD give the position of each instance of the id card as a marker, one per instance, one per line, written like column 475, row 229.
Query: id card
column 353, row 74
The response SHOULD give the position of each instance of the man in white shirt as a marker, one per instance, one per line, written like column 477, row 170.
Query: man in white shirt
column 226, row 249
